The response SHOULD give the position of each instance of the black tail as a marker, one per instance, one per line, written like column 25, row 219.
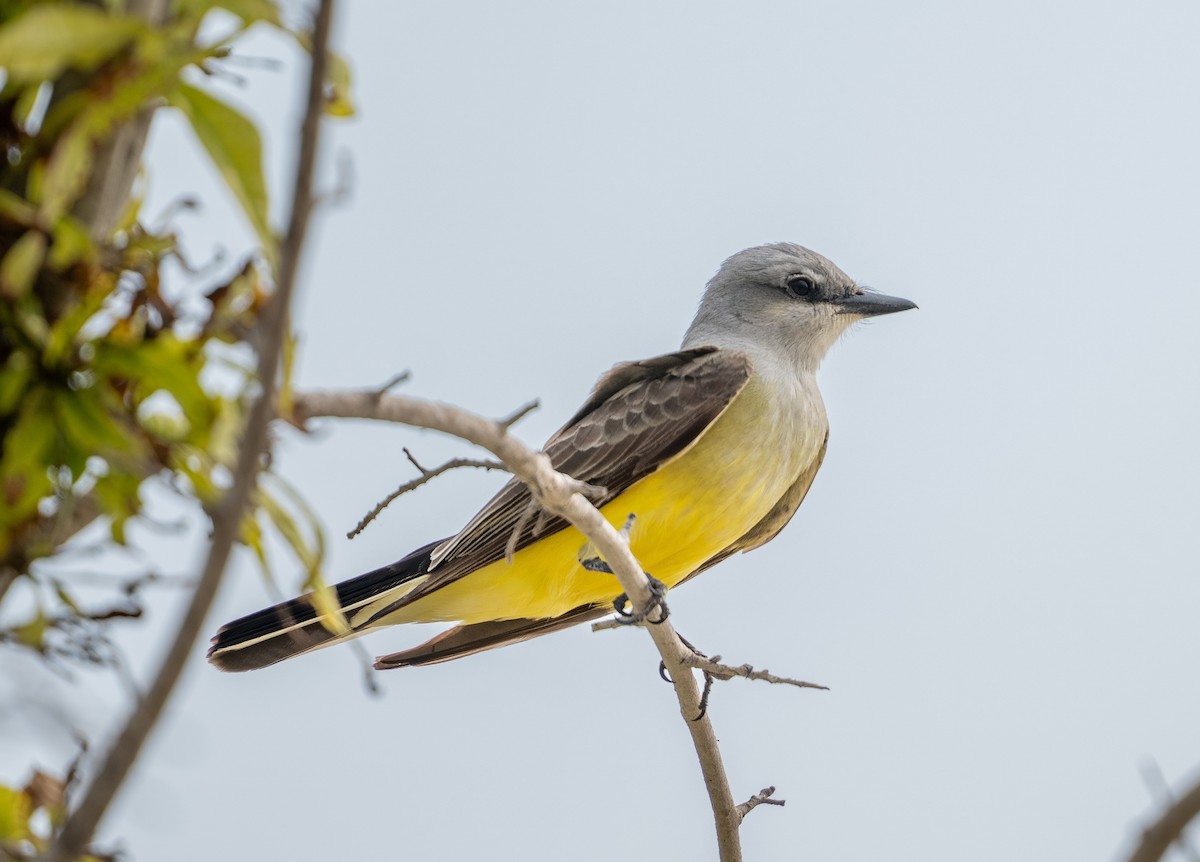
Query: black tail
column 291, row 628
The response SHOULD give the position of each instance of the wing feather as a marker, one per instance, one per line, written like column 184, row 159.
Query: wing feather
column 639, row 416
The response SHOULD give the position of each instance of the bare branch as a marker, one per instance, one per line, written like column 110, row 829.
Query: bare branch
column 118, row 158
column 426, row 475
column 564, row 497
column 1158, row 837
column 1156, row 783
column 81, row 823
column 763, row 797
column 714, row 668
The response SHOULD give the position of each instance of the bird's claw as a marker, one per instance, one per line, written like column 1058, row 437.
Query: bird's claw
column 658, row 599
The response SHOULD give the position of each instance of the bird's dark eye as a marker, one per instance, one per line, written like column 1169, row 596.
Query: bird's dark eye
column 800, row 285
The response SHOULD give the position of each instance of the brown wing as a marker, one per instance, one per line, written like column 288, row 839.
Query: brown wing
column 639, row 416
column 462, row 641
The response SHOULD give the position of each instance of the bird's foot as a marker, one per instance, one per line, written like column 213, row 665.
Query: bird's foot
column 709, row 676
column 658, row 600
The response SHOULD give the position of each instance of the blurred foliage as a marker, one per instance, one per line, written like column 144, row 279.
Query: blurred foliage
column 19, row 838
column 106, row 378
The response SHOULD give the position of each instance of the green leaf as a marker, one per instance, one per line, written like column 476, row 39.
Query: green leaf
column 71, row 244
column 82, row 308
column 289, row 530
column 66, row 598
column 20, row 266
column 234, row 145
column 90, row 429
column 32, row 634
column 310, row 553
column 251, row 535
column 14, row 377
column 16, row 208
column 167, row 363
column 67, row 172
column 23, row 468
column 225, row 434
column 249, row 11
column 133, row 209
column 194, row 464
column 288, row 357
column 52, row 37
column 28, row 319
column 117, row 493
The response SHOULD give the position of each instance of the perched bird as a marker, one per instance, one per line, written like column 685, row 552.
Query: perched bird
column 711, row 449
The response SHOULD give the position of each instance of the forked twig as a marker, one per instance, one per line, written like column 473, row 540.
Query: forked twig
column 763, row 797
column 426, row 475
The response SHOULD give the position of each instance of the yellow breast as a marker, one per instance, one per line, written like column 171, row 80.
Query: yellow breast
column 687, row 511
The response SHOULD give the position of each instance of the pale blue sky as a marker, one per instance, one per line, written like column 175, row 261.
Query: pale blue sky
column 996, row 570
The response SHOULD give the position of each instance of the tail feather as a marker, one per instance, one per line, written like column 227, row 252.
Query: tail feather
column 292, row 627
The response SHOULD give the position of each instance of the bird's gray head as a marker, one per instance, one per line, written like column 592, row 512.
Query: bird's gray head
column 786, row 299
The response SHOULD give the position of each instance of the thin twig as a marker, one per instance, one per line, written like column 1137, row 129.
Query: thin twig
column 393, row 382
column 714, row 667
column 1158, row 837
column 426, row 475
column 510, row 547
column 517, row 415
column 81, row 823
column 366, row 662
column 1156, row 784
column 763, row 797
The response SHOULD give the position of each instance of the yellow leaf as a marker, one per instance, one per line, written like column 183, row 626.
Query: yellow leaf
column 250, row 534
column 338, row 101
column 329, row 611
column 32, row 633
column 15, row 808
column 234, row 145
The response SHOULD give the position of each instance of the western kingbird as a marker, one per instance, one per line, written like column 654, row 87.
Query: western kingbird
column 711, row 449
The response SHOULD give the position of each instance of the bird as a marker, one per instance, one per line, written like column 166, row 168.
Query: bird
column 701, row 453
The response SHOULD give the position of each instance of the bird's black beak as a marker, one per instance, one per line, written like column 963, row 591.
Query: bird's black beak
column 870, row 304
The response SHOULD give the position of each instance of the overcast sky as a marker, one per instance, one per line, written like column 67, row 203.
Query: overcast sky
column 996, row 570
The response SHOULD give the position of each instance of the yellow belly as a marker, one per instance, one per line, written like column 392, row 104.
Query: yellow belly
column 687, row 511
